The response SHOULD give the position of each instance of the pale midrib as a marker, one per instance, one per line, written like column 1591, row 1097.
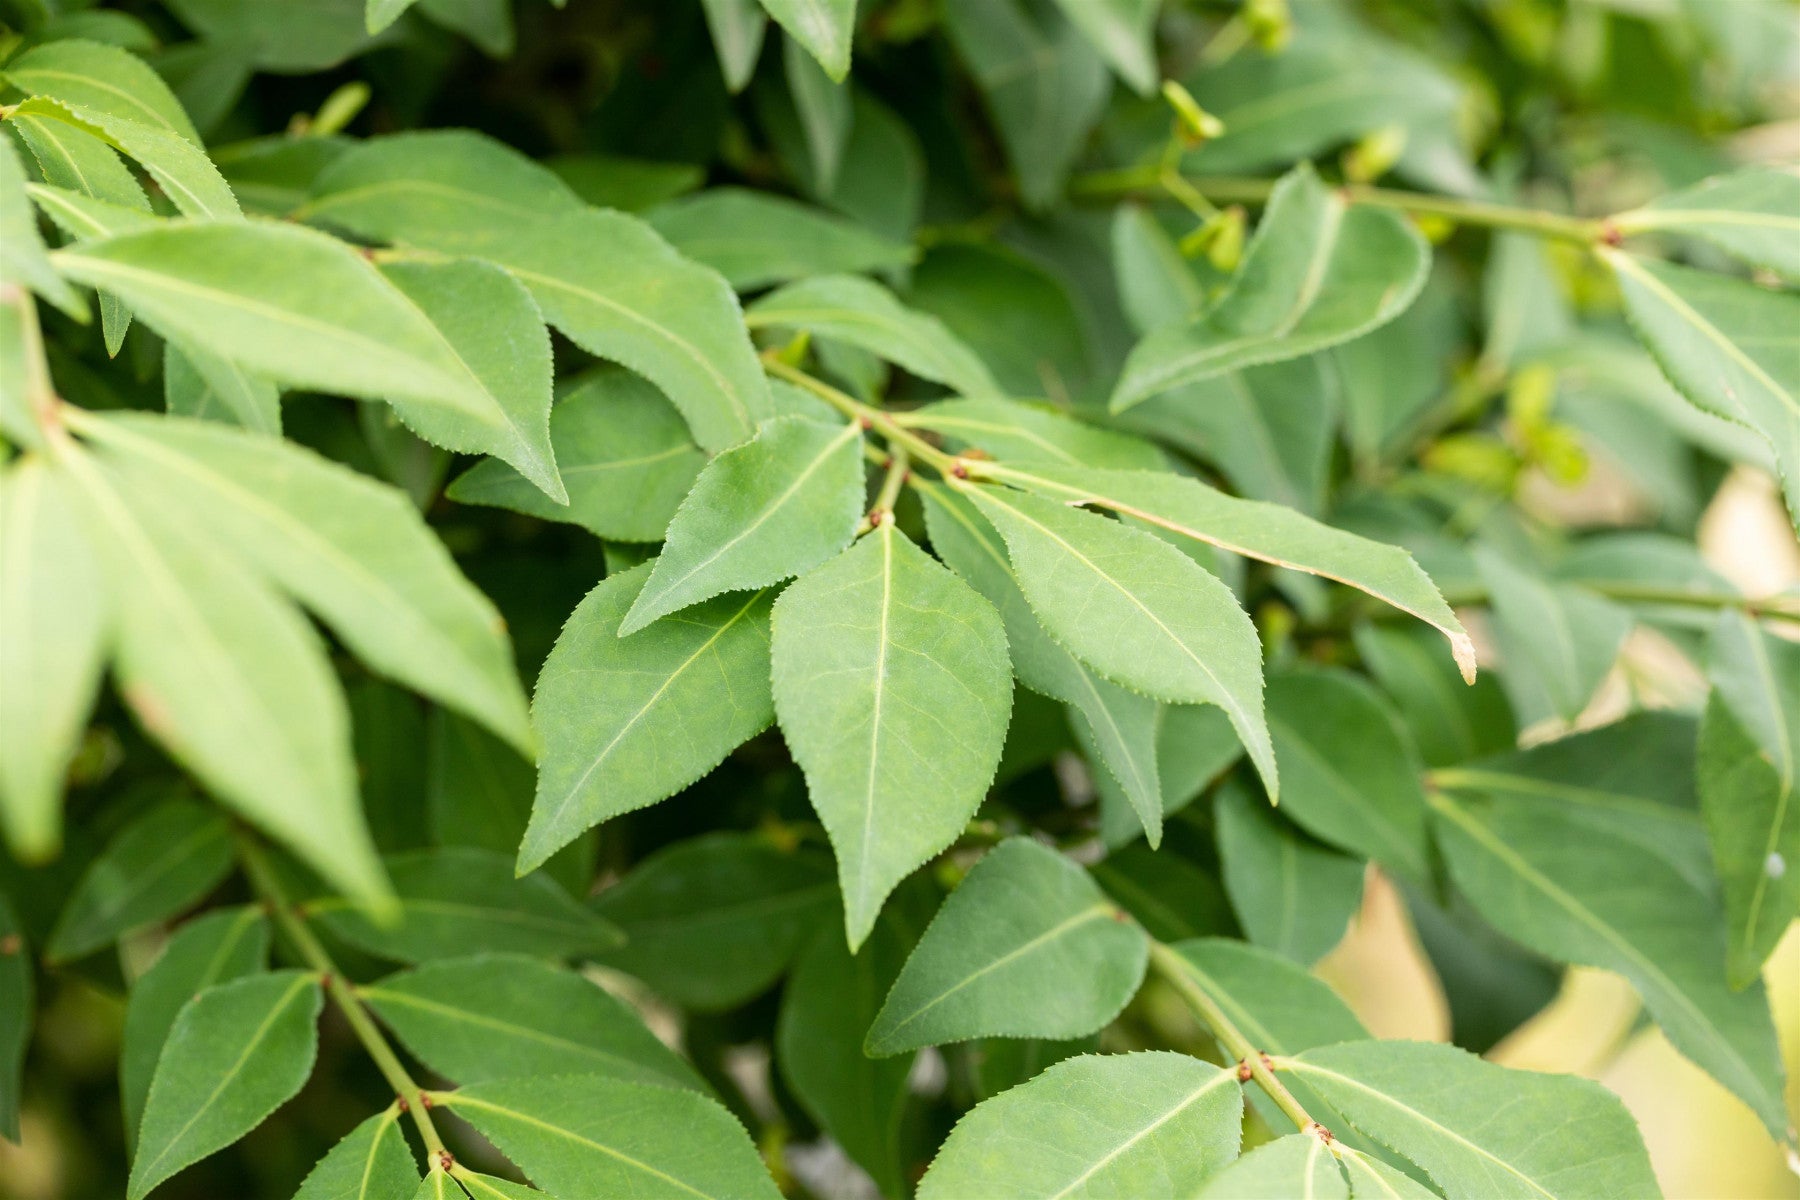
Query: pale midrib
column 762, row 518
column 1185, row 1103
column 459, row 1100
column 226, row 1079
column 562, row 805
column 325, row 203
column 1707, row 329
column 1301, row 1066
column 738, row 408
column 944, row 424
column 1675, row 218
column 1084, row 917
column 102, row 267
column 863, row 880
column 1504, row 782
column 368, row 1172
column 1230, row 703
column 1569, row 904
column 623, row 464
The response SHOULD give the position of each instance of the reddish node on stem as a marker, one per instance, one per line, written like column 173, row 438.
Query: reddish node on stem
column 445, row 1161
column 959, row 471
column 325, row 980
column 403, row 1105
column 1611, row 234
column 1267, row 1062
column 1243, row 1072
column 876, row 517
column 864, row 424
column 424, row 1100
column 1320, row 1132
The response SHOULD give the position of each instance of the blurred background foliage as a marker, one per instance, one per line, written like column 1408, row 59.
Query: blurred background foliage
column 1601, row 104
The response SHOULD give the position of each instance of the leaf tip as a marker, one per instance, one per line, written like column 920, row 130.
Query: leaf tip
column 1463, row 647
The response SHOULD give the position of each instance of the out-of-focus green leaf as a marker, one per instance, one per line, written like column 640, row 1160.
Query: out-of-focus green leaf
column 824, row 27
column 754, row 239
column 1752, row 215
column 16, row 1013
column 1290, row 893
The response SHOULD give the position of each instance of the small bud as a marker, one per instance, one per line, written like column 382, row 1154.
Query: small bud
column 1196, row 125
column 1220, row 238
column 1270, row 23
column 1375, row 155
column 340, row 108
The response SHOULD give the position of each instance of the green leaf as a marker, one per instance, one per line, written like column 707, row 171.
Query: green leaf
column 1557, row 641
column 824, row 27
column 737, row 28
column 605, row 279
column 1146, row 1124
column 1119, row 723
column 1020, row 434
column 755, row 239
column 1753, row 215
column 1300, row 1164
column 1639, row 769
column 23, row 260
column 1482, row 1130
column 178, row 166
column 681, row 697
column 103, row 78
column 1350, row 778
column 1044, row 86
column 1027, row 946
column 714, row 920
column 296, row 306
column 1136, row 609
column 71, row 159
column 55, row 609
column 16, row 1012
column 1291, row 894
column 1268, row 430
column 503, row 1016
column 621, row 448
column 158, row 865
column 204, row 386
column 1172, row 896
column 1121, row 30
column 1318, row 272
column 1580, row 887
column 827, row 1004
column 1750, row 786
column 229, row 677
column 353, row 551
column 760, row 513
column 1270, row 532
column 486, row 1187
column 864, row 314
column 893, row 688
column 1723, row 342
column 822, row 107
column 238, row 1051
column 81, row 216
column 493, row 327
column 585, row 1135
column 373, row 1162
column 212, row 948
column 1280, row 1006
column 1450, row 723
column 456, row 900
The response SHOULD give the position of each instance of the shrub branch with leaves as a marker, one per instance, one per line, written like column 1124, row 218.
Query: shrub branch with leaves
column 1075, row 436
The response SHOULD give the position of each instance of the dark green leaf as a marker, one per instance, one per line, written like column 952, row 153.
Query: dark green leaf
column 373, row 1162
column 1290, row 893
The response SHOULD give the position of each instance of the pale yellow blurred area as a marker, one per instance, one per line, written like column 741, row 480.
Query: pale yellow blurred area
column 1705, row 1143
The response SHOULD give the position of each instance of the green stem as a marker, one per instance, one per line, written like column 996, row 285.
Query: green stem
column 1173, row 969
column 342, row 992
column 899, row 467
column 40, row 394
column 881, row 422
column 1152, row 180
